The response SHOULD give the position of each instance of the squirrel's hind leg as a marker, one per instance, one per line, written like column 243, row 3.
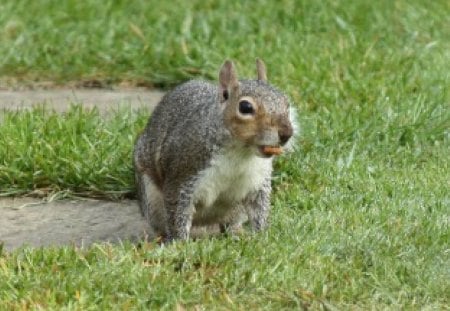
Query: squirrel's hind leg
column 151, row 204
column 180, row 210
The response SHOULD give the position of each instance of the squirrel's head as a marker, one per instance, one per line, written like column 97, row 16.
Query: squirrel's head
column 255, row 113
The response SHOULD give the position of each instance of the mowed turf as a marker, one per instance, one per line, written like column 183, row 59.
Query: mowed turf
column 360, row 210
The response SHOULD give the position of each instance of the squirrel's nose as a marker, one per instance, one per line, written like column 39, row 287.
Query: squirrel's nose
column 284, row 138
column 285, row 134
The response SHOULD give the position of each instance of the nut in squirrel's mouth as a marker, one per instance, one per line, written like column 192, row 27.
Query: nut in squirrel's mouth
column 269, row 151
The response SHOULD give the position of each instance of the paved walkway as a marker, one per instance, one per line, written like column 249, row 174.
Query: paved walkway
column 32, row 222
column 60, row 99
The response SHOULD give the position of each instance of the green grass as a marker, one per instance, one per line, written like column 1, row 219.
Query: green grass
column 78, row 151
column 345, row 44
column 360, row 211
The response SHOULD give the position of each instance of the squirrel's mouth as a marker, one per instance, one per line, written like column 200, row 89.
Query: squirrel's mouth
column 269, row 151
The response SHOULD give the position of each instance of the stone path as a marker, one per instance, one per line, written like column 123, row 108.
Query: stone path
column 60, row 99
column 32, row 222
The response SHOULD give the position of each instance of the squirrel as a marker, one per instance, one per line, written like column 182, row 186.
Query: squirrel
column 205, row 156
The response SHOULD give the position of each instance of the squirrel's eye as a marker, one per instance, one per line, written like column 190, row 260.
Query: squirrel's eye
column 245, row 107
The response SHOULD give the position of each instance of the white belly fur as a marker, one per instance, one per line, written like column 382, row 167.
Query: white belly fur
column 231, row 176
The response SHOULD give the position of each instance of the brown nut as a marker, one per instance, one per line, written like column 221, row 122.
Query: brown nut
column 271, row 150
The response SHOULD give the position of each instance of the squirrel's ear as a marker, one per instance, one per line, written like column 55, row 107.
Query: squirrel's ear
column 228, row 80
column 261, row 70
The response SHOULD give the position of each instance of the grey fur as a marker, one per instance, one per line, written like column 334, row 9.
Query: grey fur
column 185, row 135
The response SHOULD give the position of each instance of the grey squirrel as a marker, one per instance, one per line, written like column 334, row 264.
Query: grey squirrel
column 205, row 156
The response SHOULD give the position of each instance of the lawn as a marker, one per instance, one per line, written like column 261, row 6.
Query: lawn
column 361, row 209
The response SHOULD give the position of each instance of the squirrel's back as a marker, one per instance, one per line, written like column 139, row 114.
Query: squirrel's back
column 184, row 106
column 186, row 124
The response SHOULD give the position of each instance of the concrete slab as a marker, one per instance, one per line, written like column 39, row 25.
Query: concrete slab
column 60, row 99
column 35, row 223
column 32, row 222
